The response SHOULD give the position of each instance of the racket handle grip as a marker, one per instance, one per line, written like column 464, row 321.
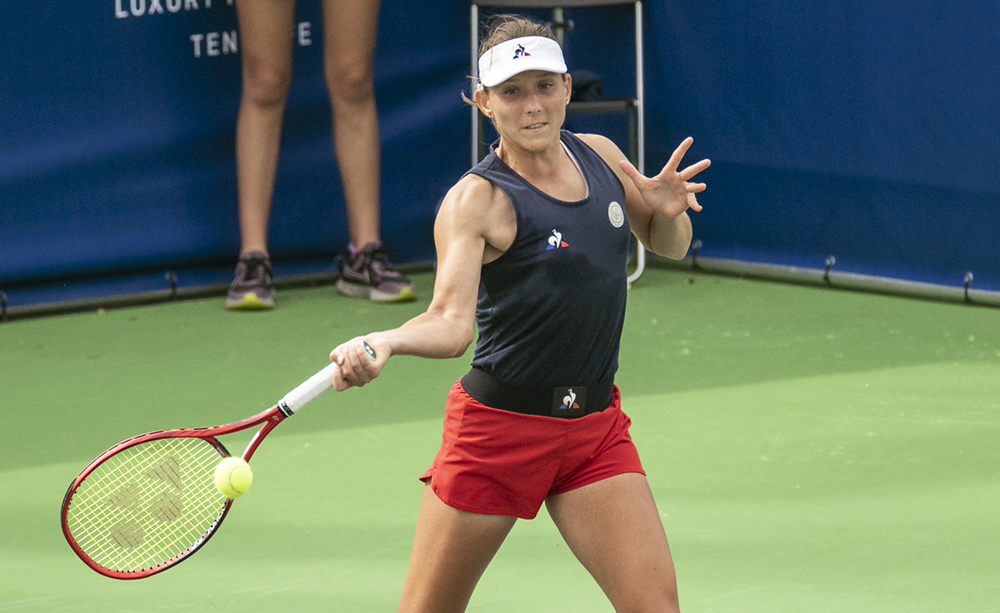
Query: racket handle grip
column 308, row 390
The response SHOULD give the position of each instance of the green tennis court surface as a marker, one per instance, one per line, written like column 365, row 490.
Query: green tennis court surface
column 810, row 451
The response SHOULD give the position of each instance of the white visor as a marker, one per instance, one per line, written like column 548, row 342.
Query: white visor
column 518, row 55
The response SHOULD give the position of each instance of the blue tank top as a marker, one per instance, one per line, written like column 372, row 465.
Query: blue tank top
column 551, row 308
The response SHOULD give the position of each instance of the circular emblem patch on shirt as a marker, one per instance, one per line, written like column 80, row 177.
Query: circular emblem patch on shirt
column 616, row 215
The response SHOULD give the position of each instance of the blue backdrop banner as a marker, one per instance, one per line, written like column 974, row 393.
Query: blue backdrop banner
column 867, row 131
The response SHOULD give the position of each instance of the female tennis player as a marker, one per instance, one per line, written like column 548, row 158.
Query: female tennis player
column 532, row 246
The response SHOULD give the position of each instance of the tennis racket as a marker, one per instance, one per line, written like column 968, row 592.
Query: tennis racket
column 150, row 502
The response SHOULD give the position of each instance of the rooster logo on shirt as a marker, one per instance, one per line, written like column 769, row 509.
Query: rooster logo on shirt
column 556, row 241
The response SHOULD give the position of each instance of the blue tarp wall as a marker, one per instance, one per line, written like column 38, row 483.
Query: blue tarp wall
column 866, row 130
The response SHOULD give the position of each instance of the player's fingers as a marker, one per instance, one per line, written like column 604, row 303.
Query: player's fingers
column 688, row 173
column 345, row 375
column 678, row 154
column 632, row 172
column 358, row 364
column 337, row 355
column 346, row 368
column 338, row 380
column 348, row 365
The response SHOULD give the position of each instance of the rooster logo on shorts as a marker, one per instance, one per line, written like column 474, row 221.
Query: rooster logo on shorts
column 569, row 401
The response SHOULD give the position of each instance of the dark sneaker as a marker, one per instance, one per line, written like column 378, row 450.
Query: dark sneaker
column 368, row 274
column 251, row 288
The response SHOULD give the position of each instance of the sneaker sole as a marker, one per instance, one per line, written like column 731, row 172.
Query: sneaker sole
column 357, row 290
column 405, row 295
column 249, row 302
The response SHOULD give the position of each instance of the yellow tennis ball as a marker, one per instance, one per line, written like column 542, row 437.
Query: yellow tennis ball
column 233, row 477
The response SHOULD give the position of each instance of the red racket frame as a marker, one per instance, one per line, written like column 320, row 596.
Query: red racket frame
column 293, row 402
column 269, row 418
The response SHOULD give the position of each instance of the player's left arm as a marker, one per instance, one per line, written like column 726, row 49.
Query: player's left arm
column 656, row 206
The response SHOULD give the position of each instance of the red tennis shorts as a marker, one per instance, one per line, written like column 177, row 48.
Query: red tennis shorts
column 499, row 462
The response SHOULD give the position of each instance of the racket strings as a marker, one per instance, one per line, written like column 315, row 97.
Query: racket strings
column 147, row 504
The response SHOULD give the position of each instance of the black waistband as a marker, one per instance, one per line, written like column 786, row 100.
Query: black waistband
column 566, row 402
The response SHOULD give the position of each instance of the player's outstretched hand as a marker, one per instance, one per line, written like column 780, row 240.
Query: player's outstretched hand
column 671, row 192
column 359, row 361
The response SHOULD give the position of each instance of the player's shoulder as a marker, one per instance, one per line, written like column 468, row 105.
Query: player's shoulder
column 603, row 146
column 474, row 201
column 474, row 194
column 472, row 186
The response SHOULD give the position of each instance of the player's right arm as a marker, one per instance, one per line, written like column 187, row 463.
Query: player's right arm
column 474, row 225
